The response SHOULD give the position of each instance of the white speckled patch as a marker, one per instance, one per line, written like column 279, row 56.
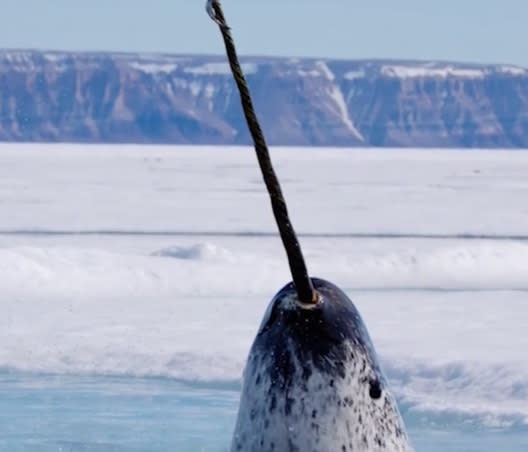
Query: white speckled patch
column 291, row 405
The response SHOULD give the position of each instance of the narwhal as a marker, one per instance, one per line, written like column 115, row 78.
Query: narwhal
column 312, row 381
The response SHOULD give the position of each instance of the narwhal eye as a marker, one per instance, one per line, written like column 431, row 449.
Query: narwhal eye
column 375, row 389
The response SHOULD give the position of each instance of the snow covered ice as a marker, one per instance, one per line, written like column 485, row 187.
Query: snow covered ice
column 138, row 261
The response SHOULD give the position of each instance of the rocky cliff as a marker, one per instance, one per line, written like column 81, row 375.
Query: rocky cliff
column 104, row 97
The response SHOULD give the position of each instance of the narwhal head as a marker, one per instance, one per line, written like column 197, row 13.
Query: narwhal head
column 313, row 381
column 322, row 336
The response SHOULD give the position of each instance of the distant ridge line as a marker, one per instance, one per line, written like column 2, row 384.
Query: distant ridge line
column 163, row 98
column 131, row 54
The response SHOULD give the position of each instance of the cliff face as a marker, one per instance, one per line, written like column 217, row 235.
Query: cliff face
column 98, row 97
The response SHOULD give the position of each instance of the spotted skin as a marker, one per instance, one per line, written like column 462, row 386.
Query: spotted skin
column 312, row 382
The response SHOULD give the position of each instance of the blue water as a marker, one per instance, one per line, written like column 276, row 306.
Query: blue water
column 96, row 414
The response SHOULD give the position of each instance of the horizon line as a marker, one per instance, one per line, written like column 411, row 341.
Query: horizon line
column 275, row 57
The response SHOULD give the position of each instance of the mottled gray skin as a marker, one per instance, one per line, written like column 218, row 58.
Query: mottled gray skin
column 312, row 382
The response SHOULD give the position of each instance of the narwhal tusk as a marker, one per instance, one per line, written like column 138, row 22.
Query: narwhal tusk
column 303, row 284
column 209, row 7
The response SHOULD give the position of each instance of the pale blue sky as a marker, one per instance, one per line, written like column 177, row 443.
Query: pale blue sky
column 466, row 30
